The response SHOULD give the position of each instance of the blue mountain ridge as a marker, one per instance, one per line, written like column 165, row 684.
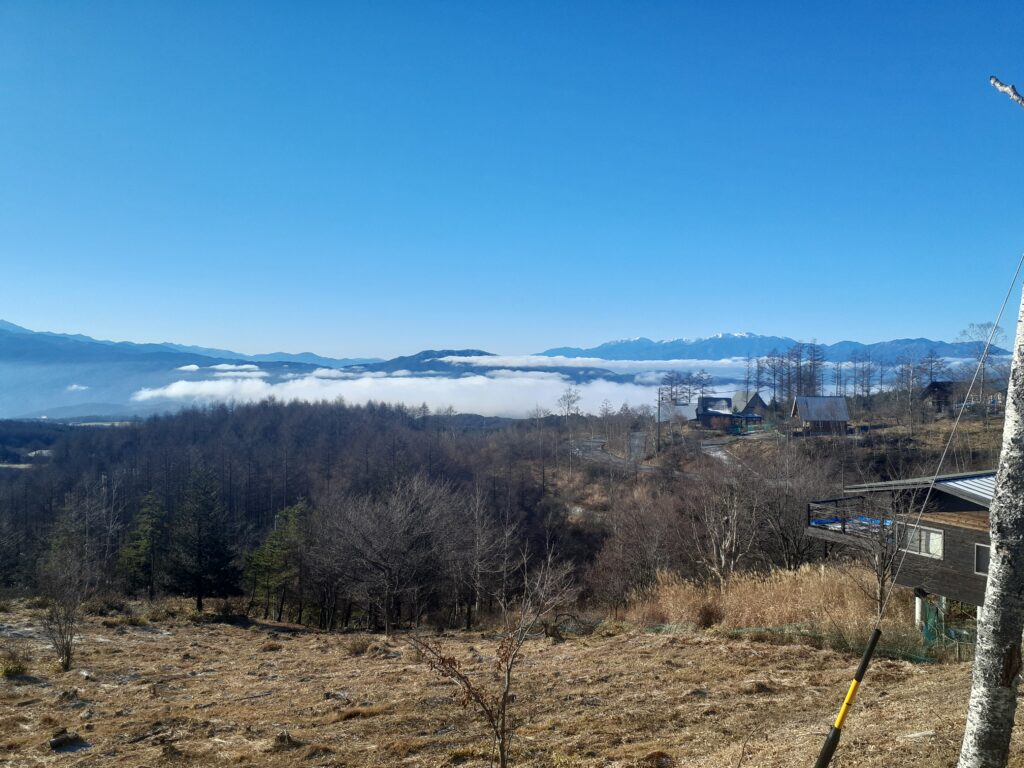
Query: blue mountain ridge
column 731, row 345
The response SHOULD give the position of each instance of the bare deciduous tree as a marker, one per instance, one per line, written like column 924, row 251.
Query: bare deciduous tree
column 978, row 334
column 789, row 477
column 67, row 577
column 723, row 511
column 391, row 541
column 545, row 587
column 642, row 540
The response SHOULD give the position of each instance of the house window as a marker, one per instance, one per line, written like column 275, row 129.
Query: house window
column 926, row 542
column 981, row 553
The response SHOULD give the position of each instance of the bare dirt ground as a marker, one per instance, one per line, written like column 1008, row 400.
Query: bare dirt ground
column 175, row 693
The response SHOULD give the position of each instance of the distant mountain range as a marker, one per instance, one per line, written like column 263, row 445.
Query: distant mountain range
column 74, row 376
column 729, row 345
column 223, row 354
column 454, row 362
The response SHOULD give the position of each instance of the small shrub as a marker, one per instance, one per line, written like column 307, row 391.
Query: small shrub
column 381, row 650
column 708, row 615
column 357, row 646
column 14, row 659
column 653, row 615
column 107, row 605
column 228, row 609
column 162, row 612
column 609, row 628
column 6, row 606
column 285, row 741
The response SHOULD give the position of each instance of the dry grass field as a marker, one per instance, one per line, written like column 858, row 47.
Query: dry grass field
column 175, row 693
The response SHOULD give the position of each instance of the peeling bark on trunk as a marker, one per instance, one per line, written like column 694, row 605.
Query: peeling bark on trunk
column 997, row 661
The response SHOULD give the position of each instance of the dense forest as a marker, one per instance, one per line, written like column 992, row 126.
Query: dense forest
column 331, row 514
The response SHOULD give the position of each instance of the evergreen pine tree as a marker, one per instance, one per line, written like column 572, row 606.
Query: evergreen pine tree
column 141, row 555
column 274, row 567
column 202, row 556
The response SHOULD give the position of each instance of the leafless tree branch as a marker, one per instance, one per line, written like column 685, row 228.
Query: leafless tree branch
column 1009, row 90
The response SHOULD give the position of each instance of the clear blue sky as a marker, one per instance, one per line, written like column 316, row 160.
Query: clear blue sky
column 376, row 178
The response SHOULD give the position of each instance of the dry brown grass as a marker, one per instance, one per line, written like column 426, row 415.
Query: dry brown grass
column 358, row 645
column 186, row 694
column 350, row 713
column 829, row 604
column 15, row 657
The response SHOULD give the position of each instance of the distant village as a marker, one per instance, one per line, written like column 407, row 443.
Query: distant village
column 750, row 411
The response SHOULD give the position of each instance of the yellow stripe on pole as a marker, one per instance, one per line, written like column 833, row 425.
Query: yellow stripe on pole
column 846, row 703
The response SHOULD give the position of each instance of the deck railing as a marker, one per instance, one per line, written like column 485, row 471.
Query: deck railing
column 849, row 514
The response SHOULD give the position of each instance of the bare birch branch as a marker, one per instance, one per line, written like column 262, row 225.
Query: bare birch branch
column 1009, row 90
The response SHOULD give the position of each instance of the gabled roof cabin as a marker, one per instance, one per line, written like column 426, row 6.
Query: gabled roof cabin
column 821, row 414
column 751, row 402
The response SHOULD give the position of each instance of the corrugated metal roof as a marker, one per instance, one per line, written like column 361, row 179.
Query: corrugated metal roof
column 976, row 487
column 979, row 489
column 831, row 408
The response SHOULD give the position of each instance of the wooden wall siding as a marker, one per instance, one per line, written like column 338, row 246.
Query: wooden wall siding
column 825, row 427
column 953, row 576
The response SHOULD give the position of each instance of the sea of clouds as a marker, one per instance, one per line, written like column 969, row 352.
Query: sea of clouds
column 499, row 392
column 490, row 385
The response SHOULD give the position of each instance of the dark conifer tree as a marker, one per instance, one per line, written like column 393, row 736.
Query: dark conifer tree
column 202, row 562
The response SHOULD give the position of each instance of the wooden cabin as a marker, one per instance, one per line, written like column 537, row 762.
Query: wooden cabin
column 939, row 396
column 749, row 403
column 821, row 415
column 947, row 551
column 714, row 412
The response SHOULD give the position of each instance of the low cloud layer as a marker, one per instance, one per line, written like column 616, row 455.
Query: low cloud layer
column 77, row 387
column 234, row 367
column 241, row 374
column 508, row 393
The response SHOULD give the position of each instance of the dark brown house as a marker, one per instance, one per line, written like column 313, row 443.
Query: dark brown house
column 946, row 551
column 749, row 403
column 940, row 395
column 714, row 412
column 821, row 415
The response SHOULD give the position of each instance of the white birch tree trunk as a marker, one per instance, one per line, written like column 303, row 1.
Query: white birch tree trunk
column 997, row 661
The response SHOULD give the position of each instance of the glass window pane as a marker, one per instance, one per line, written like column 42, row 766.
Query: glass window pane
column 924, row 541
column 981, row 555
